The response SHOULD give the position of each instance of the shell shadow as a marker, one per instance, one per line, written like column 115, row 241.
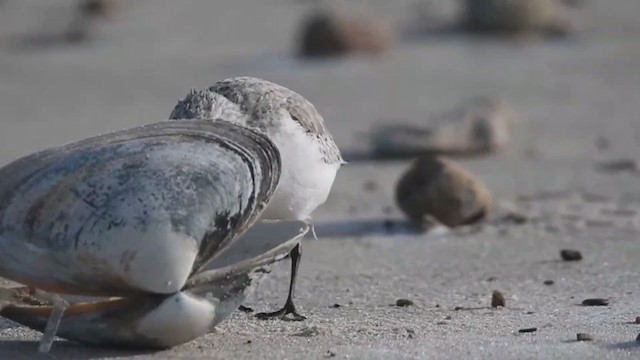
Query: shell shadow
column 62, row 349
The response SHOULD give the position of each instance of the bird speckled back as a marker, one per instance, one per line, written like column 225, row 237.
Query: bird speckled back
column 254, row 103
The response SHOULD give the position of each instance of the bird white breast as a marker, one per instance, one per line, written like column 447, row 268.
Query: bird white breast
column 306, row 180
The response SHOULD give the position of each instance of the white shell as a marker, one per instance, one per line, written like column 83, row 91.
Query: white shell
column 166, row 321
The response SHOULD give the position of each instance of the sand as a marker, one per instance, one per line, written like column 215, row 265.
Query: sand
column 570, row 93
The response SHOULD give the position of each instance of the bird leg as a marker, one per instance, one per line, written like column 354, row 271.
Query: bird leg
column 289, row 307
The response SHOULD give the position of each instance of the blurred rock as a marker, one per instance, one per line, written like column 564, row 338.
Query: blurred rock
column 516, row 16
column 440, row 189
column 477, row 126
column 102, row 9
column 325, row 34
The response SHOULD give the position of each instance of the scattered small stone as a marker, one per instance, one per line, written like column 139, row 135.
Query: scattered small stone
column 595, row 302
column 638, row 338
column 404, row 302
column 458, row 308
column 335, row 306
column 438, row 188
column 370, row 186
column 329, row 354
column 497, row 299
column 546, row 17
column 584, row 337
column 248, row 342
column 474, row 127
column 548, row 282
column 448, row 317
column 528, row 330
column 441, row 323
column 638, row 320
column 492, row 278
column 570, row 255
column 325, row 34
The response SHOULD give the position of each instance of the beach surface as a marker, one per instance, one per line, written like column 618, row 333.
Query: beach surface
column 578, row 100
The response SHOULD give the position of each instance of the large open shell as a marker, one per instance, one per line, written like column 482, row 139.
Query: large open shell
column 98, row 216
column 143, row 221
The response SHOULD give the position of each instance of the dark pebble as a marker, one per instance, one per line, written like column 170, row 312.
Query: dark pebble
column 457, row 308
column 583, row 337
column 570, row 255
column 404, row 302
column 528, row 330
column 335, row 306
column 638, row 320
column 638, row 338
column 595, row 302
column 497, row 299
column 329, row 354
column 548, row 282
column 248, row 342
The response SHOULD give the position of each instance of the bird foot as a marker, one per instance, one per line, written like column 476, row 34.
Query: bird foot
column 281, row 314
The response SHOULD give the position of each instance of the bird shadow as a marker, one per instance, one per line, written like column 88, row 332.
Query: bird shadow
column 62, row 349
column 625, row 345
column 362, row 227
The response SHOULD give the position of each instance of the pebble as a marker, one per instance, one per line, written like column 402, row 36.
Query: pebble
column 584, row 337
column 497, row 299
column 439, row 188
column 404, row 302
column 548, row 282
column 638, row 320
column 521, row 17
column 528, row 330
column 595, row 302
column 326, row 34
column 570, row 255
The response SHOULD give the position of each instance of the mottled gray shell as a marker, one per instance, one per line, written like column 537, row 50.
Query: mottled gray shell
column 138, row 210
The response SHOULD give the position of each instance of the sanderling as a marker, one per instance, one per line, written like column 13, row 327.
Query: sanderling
column 310, row 157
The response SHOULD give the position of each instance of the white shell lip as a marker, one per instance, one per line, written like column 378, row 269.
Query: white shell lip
column 152, row 321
